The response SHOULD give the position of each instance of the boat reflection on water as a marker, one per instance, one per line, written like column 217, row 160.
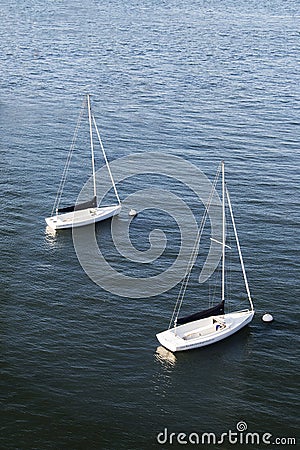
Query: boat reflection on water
column 50, row 236
column 165, row 356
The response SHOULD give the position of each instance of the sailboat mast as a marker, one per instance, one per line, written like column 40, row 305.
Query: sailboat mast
column 223, row 231
column 92, row 146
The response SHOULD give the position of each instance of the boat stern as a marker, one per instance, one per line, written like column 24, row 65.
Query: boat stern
column 170, row 340
column 51, row 222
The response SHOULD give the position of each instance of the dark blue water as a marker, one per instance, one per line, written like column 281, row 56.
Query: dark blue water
column 203, row 80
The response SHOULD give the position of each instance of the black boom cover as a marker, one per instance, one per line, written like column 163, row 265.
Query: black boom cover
column 214, row 311
column 89, row 204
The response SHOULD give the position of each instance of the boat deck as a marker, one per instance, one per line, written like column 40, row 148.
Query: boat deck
column 204, row 332
column 82, row 217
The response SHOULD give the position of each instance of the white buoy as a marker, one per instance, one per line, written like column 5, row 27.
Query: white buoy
column 267, row 318
column 132, row 213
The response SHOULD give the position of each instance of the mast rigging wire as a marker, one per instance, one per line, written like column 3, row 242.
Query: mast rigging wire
column 67, row 163
column 194, row 255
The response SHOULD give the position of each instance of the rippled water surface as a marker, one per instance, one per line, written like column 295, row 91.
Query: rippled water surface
column 200, row 80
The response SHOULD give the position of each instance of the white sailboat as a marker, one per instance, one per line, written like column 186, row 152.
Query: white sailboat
column 88, row 212
column 211, row 325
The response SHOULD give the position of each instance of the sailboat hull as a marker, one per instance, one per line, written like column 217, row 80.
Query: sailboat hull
column 203, row 332
column 82, row 217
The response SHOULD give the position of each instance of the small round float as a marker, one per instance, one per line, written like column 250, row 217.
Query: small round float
column 267, row 318
column 132, row 213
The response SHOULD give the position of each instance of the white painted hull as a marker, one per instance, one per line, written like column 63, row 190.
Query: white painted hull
column 203, row 332
column 82, row 217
